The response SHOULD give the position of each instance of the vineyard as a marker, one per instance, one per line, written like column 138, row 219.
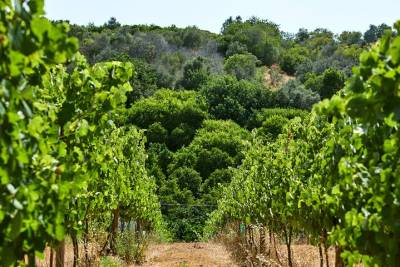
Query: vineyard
column 65, row 161
column 333, row 175
column 99, row 158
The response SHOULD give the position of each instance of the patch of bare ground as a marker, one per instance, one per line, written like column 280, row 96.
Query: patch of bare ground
column 188, row 254
column 255, row 246
column 306, row 256
column 210, row 254
column 275, row 78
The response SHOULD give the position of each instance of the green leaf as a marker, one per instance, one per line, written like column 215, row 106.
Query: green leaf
column 36, row 7
column 39, row 27
column 83, row 128
column 36, row 126
column 395, row 50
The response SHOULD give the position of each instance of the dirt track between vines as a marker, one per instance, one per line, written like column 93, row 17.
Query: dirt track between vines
column 188, row 255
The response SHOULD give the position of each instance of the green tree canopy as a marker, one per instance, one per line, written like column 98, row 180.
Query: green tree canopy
column 169, row 115
column 242, row 66
column 228, row 98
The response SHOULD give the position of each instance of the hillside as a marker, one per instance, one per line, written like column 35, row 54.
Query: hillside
column 188, row 82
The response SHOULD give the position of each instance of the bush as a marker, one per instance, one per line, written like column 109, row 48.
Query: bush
column 229, row 98
column 262, row 38
column 236, row 48
column 273, row 126
column 195, row 74
column 292, row 58
column 326, row 84
column 265, row 114
column 179, row 113
column 242, row 66
column 109, row 261
column 294, row 95
column 131, row 246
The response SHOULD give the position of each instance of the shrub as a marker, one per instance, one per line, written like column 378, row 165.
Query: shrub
column 236, row 48
column 265, row 114
column 229, row 98
column 242, row 66
column 195, row 74
column 273, row 126
column 294, row 95
column 131, row 246
column 109, row 261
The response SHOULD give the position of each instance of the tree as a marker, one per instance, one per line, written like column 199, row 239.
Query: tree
column 375, row 32
column 262, row 38
column 326, row 84
column 195, row 74
column 294, row 95
column 302, row 35
column 273, row 126
column 187, row 178
column 217, row 145
column 192, row 37
column 112, row 24
column 332, row 81
column 236, row 48
column 350, row 38
column 173, row 115
column 145, row 80
column 242, row 66
column 265, row 114
column 292, row 58
column 229, row 98
column 195, row 173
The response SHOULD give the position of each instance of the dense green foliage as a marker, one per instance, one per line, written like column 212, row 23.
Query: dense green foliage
column 228, row 98
column 63, row 161
column 195, row 173
column 262, row 38
column 333, row 173
column 242, row 66
column 226, row 82
column 32, row 194
column 170, row 117
column 325, row 84
column 186, row 57
column 150, row 125
column 195, row 74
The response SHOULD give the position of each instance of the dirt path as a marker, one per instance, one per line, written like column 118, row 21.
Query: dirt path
column 188, row 255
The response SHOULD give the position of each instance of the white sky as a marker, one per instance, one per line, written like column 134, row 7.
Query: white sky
column 336, row 15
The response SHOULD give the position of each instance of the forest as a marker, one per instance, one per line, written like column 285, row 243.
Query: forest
column 111, row 135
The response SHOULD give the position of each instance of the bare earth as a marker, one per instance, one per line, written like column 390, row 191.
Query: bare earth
column 284, row 78
column 188, row 255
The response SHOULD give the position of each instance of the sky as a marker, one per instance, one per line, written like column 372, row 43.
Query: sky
column 335, row 15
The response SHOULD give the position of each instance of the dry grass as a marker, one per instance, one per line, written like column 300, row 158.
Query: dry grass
column 228, row 249
column 211, row 254
column 246, row 251
column 188, row 255
column 306, row 255
column 93, row 249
